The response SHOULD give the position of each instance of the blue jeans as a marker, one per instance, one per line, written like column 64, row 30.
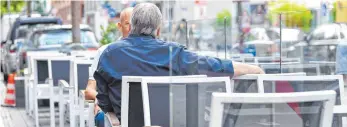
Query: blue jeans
column 341, row 59
column 99, row 119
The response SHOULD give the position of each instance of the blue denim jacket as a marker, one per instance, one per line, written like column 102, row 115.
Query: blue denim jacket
column 341, row 59
column 146, row 56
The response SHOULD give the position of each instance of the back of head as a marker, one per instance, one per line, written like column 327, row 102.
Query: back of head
column 146, row 19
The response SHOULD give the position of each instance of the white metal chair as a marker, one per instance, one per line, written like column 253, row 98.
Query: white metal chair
column 252, row 109
column 133, row 83
column 50, row 90
column 79, row 74
column 280, row 84
column 28, row 75
column 154, row 92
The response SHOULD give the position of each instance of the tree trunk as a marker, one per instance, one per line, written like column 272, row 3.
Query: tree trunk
column 76, row 16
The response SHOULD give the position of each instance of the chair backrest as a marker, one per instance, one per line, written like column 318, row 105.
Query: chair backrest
column 282, row 84
column 309, row 69
column 258, row 60
column 326, row 67
column 31, row 54
column 183, row 99
column 79, row 74
column 131, row 105
column 59, row 69
column 259, row 110
column 39, row 68
column 248, row 83
column 84, row 54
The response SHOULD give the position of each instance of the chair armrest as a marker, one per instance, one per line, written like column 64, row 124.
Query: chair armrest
column 111, row 119
column 340, row 110
column 64, row 84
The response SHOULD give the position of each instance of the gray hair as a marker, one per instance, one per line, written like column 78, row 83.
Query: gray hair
column 145, row 19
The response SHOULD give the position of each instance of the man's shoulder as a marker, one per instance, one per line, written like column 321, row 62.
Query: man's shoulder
column 117, row 44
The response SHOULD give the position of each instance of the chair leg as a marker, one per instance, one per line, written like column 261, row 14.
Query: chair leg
column 36, row 112
column 52, row 112
column 61, row 112
column 31, row 100
column 72, row 114
column 26, row 96
column 81, row 114
column 91, row 122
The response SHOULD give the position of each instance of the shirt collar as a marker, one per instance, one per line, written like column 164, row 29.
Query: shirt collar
column 141, row 35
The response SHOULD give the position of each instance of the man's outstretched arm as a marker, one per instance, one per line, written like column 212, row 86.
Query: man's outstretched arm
column 242, row 69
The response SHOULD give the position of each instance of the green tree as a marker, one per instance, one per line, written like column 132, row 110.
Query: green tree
column 220, row 18
column 334, row 11
column 294, row 15
column 109, row 33
column 15, row 6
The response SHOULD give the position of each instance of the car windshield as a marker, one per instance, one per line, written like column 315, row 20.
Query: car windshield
column 58, row 37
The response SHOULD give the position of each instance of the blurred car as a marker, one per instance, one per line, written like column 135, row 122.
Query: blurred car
column 56, row 37
column 320, row 44
column 15, row 37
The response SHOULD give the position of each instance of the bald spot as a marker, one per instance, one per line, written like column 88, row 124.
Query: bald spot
column 126, row 14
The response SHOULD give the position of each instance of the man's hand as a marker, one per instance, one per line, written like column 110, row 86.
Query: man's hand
column 90, row 93
column 242, row 69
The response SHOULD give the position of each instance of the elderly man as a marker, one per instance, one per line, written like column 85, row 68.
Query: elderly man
column 141, row 54
column 90, row 92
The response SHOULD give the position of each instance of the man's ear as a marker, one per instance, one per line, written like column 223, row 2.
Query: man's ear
column 119, row 25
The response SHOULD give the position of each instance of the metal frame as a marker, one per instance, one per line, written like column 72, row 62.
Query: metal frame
column 256, row 76
column 125, row 92
column 145, row 97
column 50, row 86
column 28, row 76
column 75, row 104
column 219, row 99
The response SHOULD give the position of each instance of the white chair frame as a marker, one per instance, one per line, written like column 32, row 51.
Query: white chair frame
column 219, row 99
column 229, row 85
column 50, row 86
column 76, row 106
column 139, row 79
column 339, row 110
column 28, row 76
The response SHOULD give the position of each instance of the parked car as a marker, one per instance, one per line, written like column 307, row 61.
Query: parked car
column 15, row 34
column 320, row 44
column 56, row 37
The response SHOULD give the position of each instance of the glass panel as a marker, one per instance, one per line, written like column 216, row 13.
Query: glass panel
column 305, row 114
column 207, row 37
column 190, row 103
